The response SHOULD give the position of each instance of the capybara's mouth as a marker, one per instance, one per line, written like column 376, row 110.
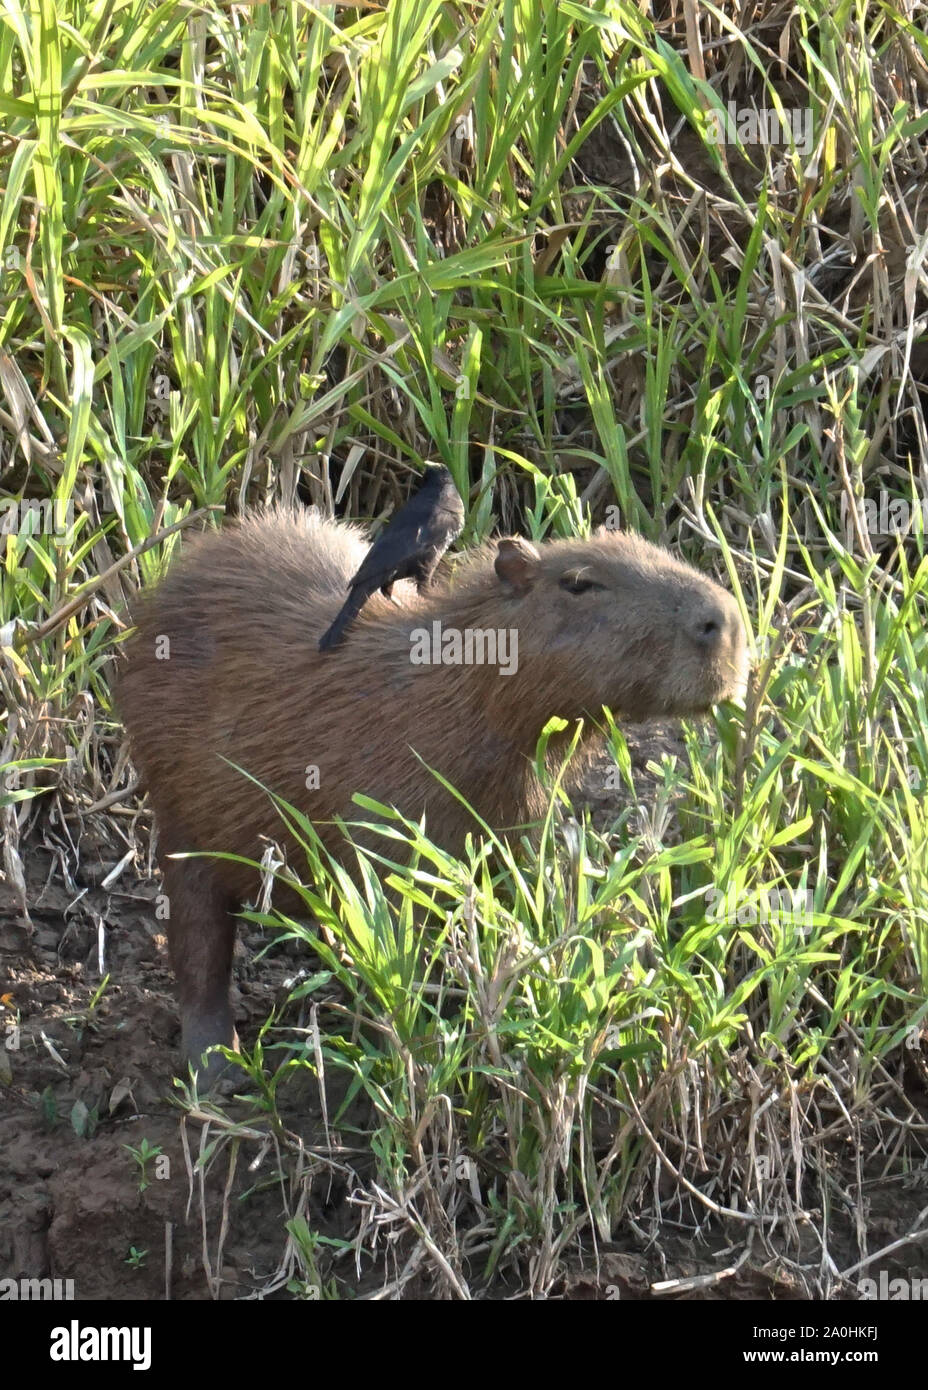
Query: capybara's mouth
column 732, row 685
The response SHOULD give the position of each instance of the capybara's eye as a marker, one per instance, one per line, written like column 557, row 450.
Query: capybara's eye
column 576, row 583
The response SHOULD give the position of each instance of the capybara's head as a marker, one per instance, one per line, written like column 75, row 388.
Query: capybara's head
column 617, row 621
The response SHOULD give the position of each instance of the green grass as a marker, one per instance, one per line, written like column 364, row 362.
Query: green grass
column 251, row 250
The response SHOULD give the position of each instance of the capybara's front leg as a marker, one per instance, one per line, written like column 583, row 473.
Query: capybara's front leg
column 201, row 938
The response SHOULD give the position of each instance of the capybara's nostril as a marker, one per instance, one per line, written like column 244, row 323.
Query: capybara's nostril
column 709, row 627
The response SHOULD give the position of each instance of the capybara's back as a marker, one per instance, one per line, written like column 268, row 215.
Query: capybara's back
column 223, row 663
column 224, row 673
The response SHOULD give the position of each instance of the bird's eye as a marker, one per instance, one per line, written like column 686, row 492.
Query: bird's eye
column 576, row 583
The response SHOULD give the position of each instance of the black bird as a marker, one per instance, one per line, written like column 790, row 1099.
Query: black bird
column 409, row 547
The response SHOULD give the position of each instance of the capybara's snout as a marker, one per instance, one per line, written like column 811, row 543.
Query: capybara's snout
column 712, row 650
column 718, row 635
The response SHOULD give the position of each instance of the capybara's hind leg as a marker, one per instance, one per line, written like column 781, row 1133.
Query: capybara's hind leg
column 201, row 938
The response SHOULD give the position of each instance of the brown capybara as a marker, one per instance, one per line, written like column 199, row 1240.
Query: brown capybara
column 225, row 665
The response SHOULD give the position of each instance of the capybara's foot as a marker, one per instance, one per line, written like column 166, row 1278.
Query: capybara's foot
column 214, row 1072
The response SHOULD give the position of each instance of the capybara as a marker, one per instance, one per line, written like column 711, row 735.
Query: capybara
column 409, row 547
column 225, row 665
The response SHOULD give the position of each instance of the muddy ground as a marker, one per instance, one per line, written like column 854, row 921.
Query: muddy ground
column 87, row 1074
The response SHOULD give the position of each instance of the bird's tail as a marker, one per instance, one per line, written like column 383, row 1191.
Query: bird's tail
column 349, row 611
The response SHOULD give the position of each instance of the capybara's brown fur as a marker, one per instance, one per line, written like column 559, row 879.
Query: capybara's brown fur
column 225, row 665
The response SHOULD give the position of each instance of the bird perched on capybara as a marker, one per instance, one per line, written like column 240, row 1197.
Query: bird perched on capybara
column 409, row 547
column 224, row 669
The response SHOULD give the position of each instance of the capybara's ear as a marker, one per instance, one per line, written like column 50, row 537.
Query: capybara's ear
column 517, row 563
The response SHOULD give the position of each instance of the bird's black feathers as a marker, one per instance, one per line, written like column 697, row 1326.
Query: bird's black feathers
column 409, row 547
